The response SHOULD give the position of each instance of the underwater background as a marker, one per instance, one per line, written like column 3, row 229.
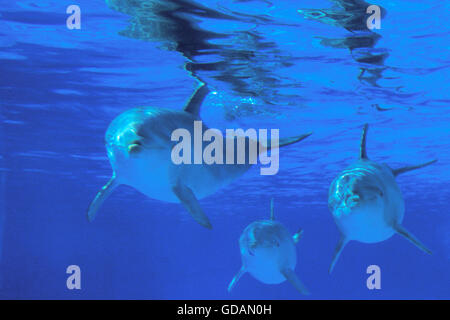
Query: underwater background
column 298, row 66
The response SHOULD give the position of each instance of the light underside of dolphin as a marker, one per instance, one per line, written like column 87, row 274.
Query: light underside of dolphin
column 285, row 270
column 138, row 134
column 396, row 227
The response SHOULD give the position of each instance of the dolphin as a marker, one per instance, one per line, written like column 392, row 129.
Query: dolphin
column 139, row 146
column 366, row 202
column 268, row 253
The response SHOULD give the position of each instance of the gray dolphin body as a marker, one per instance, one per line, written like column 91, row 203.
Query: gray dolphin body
column 366, row 202
column 269, row 254
column 139, row 146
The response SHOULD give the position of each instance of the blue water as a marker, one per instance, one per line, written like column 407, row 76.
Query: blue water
column 270, row 66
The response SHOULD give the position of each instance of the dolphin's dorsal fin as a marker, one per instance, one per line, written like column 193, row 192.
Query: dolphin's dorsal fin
column 398, row 171
column 196, row 100
column 363, row 150
column 190, row 202
column 272, row 215
column 337, row 252
column 296, row 237
column 236, row 278
column 405, row 233
column 101, row 196
column 290, row 276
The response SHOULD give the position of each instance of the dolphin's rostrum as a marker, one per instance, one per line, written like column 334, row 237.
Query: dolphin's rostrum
column 268, row 253
column 366, row 202
column 139, row 146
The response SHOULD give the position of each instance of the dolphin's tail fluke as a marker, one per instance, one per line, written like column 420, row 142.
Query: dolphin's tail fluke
column 236, row 278
column 290, row 276
column 337, row 252
column 398, row 171
column 101, row 196
column 402, row 231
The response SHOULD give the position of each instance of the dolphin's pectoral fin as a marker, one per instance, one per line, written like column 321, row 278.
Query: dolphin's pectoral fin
column 337, row 252
column 402, row 231
column 196, row 100
column 287, row 141
column 363, row 150
column 190, row 202
column 272, row 216
column 101, row 196
column 282, row 142
column 296, row 237
column 290, row 276
column 236, row 278
column 398, row 171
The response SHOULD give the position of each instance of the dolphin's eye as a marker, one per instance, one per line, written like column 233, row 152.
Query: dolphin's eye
column 136, row 142
column 134, row 147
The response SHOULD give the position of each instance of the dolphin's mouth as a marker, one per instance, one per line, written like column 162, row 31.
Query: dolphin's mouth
column 266, row 243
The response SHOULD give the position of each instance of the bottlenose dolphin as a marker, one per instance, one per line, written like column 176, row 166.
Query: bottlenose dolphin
column 139, row 146
column 268, row 253
column 366, row 202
